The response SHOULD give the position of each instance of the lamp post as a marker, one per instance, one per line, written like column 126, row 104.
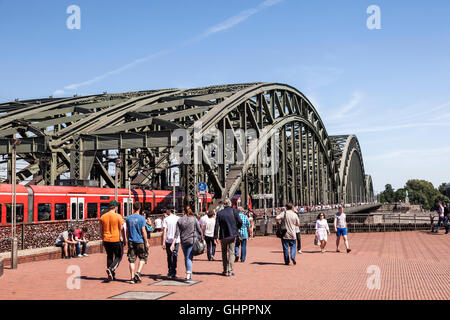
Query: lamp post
column 174, row 174
column 116, row 179
column 14, row 242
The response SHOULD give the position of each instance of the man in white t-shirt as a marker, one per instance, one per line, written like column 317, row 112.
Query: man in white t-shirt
column 158, row 224
column 340, row 227
column 169, row 226
column 441, row 215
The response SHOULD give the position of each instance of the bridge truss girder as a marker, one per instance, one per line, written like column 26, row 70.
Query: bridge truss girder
column 84, row 136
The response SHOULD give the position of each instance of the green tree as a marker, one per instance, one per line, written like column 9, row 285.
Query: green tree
column 443, row 189
column 400, row 195
column 388, row 194
column 423, row 193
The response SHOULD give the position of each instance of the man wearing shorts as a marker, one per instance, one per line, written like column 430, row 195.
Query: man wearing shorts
column 137, row 242
column 340, row 227
column 66, row 241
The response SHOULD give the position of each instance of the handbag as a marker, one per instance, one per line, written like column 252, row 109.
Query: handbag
column 199, row 246
column 316, row 241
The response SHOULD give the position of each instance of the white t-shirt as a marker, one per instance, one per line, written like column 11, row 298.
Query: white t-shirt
column 340, row 220
column 170, row 224
column 158, row 223
column 210, row 224
column 203, row 220
column 441, row 211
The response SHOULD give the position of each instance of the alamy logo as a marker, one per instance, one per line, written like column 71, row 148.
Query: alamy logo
column 374, row 280
column 73, row 281
column 374, row 21
column 74, row 20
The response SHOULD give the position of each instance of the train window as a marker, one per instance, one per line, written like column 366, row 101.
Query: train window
column 147, row 207
column 74, row 211
column 19, row 212
column 44, row 211
column 60, row 211
column 103, row 208
column 80, row 210
column 104, row 197
column 92, row 210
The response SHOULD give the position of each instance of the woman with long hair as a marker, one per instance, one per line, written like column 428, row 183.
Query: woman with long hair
column 188, row 228
column 322, row 230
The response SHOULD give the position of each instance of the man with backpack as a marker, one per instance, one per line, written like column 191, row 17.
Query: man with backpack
column 226, row 229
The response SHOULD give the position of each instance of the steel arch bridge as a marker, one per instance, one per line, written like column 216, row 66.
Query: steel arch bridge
column 251, row 138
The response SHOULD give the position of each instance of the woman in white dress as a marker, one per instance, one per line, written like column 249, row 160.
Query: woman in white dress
column 322, row 230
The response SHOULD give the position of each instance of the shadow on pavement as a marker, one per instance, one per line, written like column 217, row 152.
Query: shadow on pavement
column 208, row 273
column 105, row 280
column 268, row 263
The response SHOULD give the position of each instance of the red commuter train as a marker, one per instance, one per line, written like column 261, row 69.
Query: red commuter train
column 55, row 203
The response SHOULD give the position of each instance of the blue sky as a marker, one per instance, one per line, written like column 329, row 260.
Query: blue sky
column 390, row 87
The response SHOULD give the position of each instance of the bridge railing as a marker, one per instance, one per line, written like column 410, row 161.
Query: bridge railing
column 356, row 223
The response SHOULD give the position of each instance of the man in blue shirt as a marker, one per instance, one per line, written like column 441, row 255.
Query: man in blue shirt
column 137, row 242
column 242, row 237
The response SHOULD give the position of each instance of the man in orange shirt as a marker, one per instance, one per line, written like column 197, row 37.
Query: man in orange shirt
column 111, row 226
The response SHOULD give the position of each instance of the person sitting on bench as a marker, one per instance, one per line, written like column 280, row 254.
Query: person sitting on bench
column 67, row 242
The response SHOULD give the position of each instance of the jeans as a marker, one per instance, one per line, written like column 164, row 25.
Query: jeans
column 114, row 253
column 243, row 244
column 188, row 257
column 79, row 244
column 172, row 257
column 210, row 247
column 446, row 224
column 227, row 254
column 299, row 241
column 441, row 219
column 287, row 243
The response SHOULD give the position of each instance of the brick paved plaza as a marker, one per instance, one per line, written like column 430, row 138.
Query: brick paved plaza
column 414, row 265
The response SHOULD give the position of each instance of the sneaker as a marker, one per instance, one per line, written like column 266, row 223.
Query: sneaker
column 231, row 274
column 337, row 250
column 348, row 250
column 86, row 255
column 188, row 277
column 300, row 251
column 138, row 277
column 132, row 281
column 80, row 256
column 212, row 258
column 110, row 275
column 236, row 259
column 294, row 262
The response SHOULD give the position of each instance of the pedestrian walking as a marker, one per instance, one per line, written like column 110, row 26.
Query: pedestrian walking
column 111, row 228
column 187, row 229
column 288, row 220
column 226, row 229
column 322, row 230
column 441, row 216
column 446, row 218
column 208, row 225
column 158, row 224
column 251, row 218
column 169, row 230
column 340, row 227
column 138, row 243
column 242, row 236
column 297, row 231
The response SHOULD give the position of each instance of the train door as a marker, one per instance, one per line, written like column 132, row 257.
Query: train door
column 127, row 207
column 77, row 208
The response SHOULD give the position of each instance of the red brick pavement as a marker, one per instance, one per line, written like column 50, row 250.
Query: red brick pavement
column 414, row 265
